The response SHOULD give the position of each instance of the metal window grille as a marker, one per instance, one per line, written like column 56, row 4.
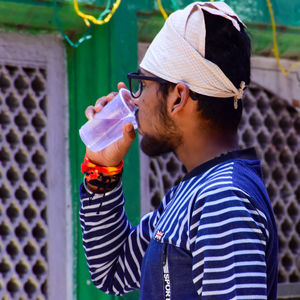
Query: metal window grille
column 272, row 126
column 26, row 122
column 23, row 190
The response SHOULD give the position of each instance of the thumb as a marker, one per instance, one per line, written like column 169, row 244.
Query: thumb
column 125, row 142
column 128, row 132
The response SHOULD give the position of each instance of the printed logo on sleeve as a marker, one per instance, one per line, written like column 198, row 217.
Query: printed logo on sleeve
column 158, row 236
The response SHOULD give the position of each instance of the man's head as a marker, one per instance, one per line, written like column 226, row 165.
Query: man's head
column 229, row 49
column 213, row 72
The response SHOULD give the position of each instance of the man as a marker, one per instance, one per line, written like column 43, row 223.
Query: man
column 214, row 234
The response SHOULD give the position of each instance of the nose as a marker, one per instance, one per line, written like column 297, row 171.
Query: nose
column 135, row 102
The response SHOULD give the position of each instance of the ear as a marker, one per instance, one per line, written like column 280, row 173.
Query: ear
column 179, row 98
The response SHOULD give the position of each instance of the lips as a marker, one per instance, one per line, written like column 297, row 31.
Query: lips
column 137, row 121
column 136, row 114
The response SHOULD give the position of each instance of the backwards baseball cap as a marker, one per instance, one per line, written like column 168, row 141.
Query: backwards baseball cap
column 177, row 53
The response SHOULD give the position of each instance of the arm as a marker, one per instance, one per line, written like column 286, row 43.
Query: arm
column 228, row 242
column 114, row 249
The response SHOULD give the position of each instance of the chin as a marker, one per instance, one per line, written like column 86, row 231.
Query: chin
column 152, row 146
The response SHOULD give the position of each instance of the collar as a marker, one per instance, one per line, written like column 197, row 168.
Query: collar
column 248, row 154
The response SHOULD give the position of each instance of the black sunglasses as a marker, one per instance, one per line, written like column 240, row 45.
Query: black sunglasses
column 136, row 85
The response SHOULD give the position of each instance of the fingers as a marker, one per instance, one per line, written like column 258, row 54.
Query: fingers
column 111, row 96
column 100, row 103
column 122, row 85
column 90, row 112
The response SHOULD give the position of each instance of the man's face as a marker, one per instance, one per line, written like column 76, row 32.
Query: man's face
column 159, row 132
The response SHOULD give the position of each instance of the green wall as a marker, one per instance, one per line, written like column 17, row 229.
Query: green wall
column 95, row 68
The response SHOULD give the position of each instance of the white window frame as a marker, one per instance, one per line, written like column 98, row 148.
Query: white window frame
column 48, row 51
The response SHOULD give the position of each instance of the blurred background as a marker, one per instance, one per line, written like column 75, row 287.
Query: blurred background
column 55, row 60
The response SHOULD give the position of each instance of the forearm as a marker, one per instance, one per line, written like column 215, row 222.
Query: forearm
column 113, row 248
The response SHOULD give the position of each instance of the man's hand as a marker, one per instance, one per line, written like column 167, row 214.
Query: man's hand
column 114, row 153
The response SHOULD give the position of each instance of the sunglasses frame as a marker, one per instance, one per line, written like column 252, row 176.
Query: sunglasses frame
column 136, row 75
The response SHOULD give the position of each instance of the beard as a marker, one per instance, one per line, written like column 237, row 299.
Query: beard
column 167, row 140
column 153, row 146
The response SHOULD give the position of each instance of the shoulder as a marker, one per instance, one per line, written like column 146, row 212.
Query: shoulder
column 223, row 205
column 234, row 183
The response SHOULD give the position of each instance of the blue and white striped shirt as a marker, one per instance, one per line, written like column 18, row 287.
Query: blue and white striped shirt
column 213, row 237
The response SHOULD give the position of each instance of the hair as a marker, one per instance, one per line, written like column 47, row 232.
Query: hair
column 230, row 49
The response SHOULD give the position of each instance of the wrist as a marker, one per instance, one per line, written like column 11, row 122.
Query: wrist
column 102, row 185
column 100, row 179
column 93, row 171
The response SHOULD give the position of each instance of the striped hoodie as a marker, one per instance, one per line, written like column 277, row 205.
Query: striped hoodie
column 213, row 237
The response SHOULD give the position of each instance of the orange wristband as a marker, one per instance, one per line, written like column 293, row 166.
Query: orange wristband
column 93, row 171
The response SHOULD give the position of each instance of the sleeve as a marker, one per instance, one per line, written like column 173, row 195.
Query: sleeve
column 228, row 241
column 114, row 249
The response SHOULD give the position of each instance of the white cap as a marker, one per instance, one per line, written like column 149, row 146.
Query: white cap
column 177, row 53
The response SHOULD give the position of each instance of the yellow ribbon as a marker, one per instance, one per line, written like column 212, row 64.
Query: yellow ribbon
column 163, row 12
column 88, row 18
column 275, row 46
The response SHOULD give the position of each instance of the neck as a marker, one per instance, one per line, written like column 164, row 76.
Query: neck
column 195, row 151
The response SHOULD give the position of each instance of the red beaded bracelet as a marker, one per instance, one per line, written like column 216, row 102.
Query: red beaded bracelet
column 93, row 171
